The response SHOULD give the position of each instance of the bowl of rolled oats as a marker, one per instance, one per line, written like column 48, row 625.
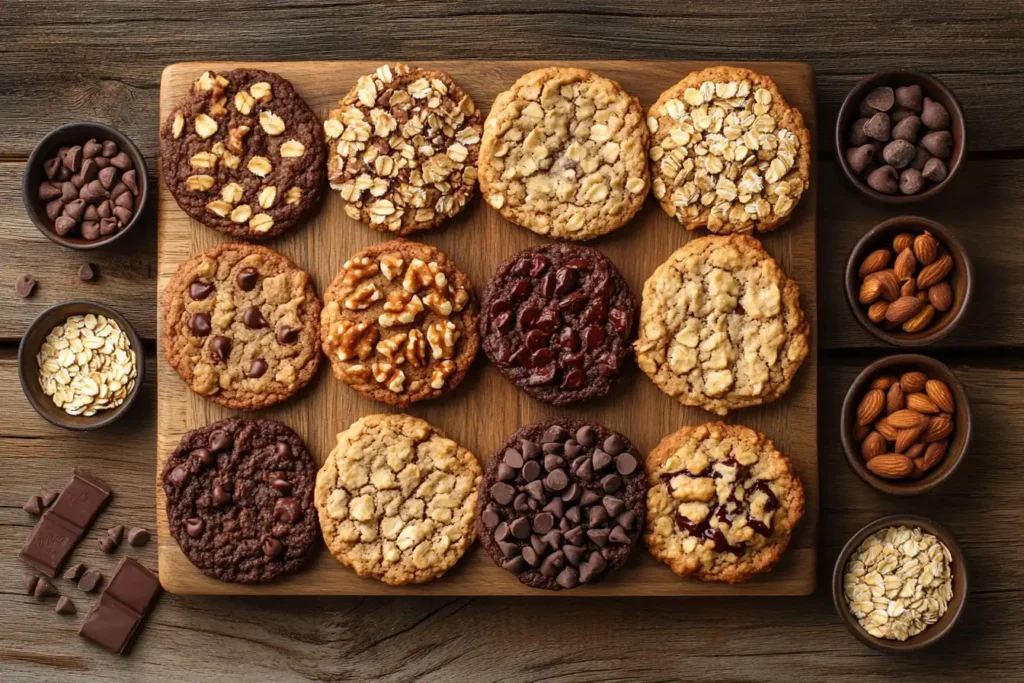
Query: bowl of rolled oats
column 81, row 365
column 900, row 583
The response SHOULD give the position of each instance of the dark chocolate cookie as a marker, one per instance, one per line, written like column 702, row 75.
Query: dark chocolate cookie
column 243, row 153
column 557, row 320
column 561, row 503
column 240, row 499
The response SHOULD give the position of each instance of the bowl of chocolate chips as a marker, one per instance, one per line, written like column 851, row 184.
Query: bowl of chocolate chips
column 900, row 136
column 85, row 185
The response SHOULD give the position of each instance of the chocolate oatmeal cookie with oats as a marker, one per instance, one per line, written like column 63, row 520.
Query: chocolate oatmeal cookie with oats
column 722, row 504
column 243, row 153
column 240, row 325
column 564, row 154
column 721, row 325
column 403, row 148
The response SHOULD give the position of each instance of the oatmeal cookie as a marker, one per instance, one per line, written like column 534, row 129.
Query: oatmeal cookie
column 399, row 323
column 396, row 499
column 240, row 325
column 403, row 148
column 240, row 499
column 564, row 154
column 721, row 325
column 722, row 504
column 727, row 152
column 243, row 153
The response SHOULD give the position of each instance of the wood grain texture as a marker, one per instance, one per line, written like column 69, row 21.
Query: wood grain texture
column 487, row 408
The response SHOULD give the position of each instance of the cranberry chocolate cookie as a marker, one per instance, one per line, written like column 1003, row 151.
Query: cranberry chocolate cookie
column 723, row 502
column 399, row 323
column 557, row 321
column 564, row 154
column 403, row 149
column 240, row 499
column 562, row 503
column 721, row 325
column 243, row 153
column 240, row 326
column 396, row 499
column 727, row 152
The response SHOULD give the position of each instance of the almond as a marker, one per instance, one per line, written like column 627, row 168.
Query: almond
column 909, row 288
column 905, row 265
column 903, row 309
column 889, row 282
column 891, row 465
column 902, row 241
column 870, row 407
column 921, row 320
column 876, row 261
column 926, row 248
column 905, row 438
column 886, row 430
column 935, row 272
column 919, row 470
column 905, row 419
column 883, row 382
column 894, row 399
column 922, row 404
column 915, row 451
column 941, row 296
column 922, row 295
column 940, row 394
column 876, row 313
column 873, row 445
column 870, row 290
column 860, row 432
column 939, row 427
column 934, row 453
column 913, row 382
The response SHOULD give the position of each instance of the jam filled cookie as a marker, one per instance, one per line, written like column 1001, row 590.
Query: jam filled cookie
column 396, row 499
column 403, row 147
column 240, row 326
column 564, row 154
column 721, row 325
column 722, row 502
column 243, row 153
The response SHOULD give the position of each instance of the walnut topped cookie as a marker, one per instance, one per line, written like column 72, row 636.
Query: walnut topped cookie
column 403, row 148
column 243, row 153
column 564, row 154
column 397, row 499
column 400, row 323
column 727, row 152
column 721, row 325
column 240, row 325
column 722, row 502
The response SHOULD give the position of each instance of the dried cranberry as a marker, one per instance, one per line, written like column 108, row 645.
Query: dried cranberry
column 538, row 264
column 573, row 303
column 619, row 318
column 579, row 264
column 521, row 288
column 596, row 313
column 574, row 379
column 503, row 322
column 565, row 281
column 541, row 357
column 593, row 336
column 549, row 321
column 568, row 339
column 535, row 339
column 544, row 375
column 527, row 317
column 547, row 285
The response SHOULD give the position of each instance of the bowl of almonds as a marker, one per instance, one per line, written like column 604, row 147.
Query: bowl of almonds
column 905, row 424
column 908, row 281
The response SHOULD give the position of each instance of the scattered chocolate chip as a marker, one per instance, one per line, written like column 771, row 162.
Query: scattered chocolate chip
column 33, row 506
column 86, row 272
column 107, row 544
column 29, row 581
column 116, row 533
column 24, row 286
column 44, row 588
column 89, row 581
column 74, row 572
column 64, row 606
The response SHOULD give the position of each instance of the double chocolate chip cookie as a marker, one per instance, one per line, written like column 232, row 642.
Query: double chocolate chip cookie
column 562, row 503
column 240, row 499
column 557, row 320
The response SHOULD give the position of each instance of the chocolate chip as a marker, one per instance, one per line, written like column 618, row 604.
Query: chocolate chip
column 177, row 476
column 522, row 501
column 29, row 581
column 195, row 527
column 24, row 286
column 220, row 441
column 536, row 490
column 50, row 168
column 258, row 368
column 531, row 470
column 520, row 527
column 934, row 115
column 909, row 96
column 92, row 230
column 107, row 545
column 130, row 181
column 586, row 436
column 907, row 129
column 601, row 459
column 571, row 493
column 543, row 522
column 860, row 158
column 502, row 493
column 513, row 458
column 138, row 537
column 53, row 209
column 884, row 180
column 626, row 464
column 585, row 470
column 109, row 148
column 626, row 519
column 555, row 433
column 281, row 486
column 204, row 456
column 611, row 483
column 568, row 578
column 64, row 605
column 589, row 498
column 44, row 588
column 287, row 335
column 287, row 510
column 934, row 170
column 613, row 506
column 555, row 507
column 939, row 143
column 515, row 565
column 573, row 554
column 878, row 127
column 92, row 148
column 557, row 480
column 490, row 518
column 86, row 272
column 576, row 534
column 881, row 98
column 619, row 535
column 501, row 532
column 508, row 549
column 33, row 506
column 553, row 462
column 121, row 161
column 220, row 496
column 899, row 153
column 254, row 319
column 530, row 556
column 271, row 546
column 48, row 191
column 505, row 473
column 116, row 533
column 90, row 580
column 220, row 348
column 598, row 536
column 857, row 136
column 911, row 181
column 247, row 279
column 74, row 572
column 200, row 324
column 552, row 563
column 73, row 159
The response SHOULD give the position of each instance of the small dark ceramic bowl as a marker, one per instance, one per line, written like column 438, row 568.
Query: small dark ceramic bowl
column 960, row 440
column 28, row 366
column 77, row 134
column 960, row 279
column 932, row 634
column 933, row 88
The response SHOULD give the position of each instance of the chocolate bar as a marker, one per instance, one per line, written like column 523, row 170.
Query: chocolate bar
column 116, row 616
column 55, row 535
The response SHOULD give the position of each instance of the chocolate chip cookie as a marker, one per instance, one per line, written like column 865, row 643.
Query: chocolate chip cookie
column 240, row 499
column 399, row 323
column 403, row 149
column 721, row 325
column 723, row 502
column 243, row 153
column 564, row 154
column 240, row 326
column 557, row 320
column 728, row 152
column 562, row 502
column 396, row 499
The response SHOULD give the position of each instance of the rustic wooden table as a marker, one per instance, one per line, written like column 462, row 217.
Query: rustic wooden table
column 63, row 62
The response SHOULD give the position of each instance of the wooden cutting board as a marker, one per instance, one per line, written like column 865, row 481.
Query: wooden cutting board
column 486, row 407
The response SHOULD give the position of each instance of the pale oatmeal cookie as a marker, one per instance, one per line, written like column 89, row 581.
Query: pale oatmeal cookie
column 727, row 152
column 403, row 148
column 240, row 326
column 399, row 323
column 397, row 499
column 722, row 502
column 564, row 154
column 721, row 325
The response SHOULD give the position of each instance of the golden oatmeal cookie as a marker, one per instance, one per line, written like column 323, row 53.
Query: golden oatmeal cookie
column 721, row 325
column 403, row 148
column 563, row 154
column 397, row 499
column 240, row 325
column 399, row 323
column 722, row 502
column 727, row 152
